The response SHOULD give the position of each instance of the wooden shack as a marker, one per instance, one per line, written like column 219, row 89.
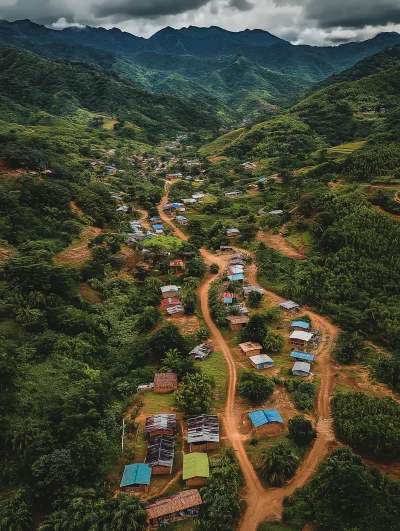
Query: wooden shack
column 250, row 349
column 160, row 424
column 203, row 433
column 179, row 506
column 289, row 306
column 136, row 478
column 160, row 454
column 237, row 322
column 165, row 382
column 196, row 470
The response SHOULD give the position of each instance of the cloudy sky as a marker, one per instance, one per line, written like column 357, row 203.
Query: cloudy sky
column 317, row 22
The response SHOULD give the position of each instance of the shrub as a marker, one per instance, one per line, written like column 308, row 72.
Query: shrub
column 255, row 387
column 301, row 430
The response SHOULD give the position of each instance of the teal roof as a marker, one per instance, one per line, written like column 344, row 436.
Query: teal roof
column 136, row 474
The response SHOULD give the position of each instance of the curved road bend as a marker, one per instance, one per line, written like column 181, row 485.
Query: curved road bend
column 263, row 503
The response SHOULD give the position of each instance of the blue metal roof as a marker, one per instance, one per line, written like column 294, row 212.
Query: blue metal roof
column 157, row 226
column 261, row 211
column 155, row 218
column 228, row 300
column 136, row 474
column 238, row 276
column 180, row 218
column 273, row 415
column 258, row 418
column 302, row 355
column 300, row 324
column 262, row 180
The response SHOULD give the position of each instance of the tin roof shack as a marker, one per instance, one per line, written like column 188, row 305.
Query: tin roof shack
column 165, row 382
column 237, row 322
column 176, row 311
column 170, row 291
column 160, row 424
column 232, row 233
column 299, row 338
column 262, row 361
column 160, row 454
column 227, row 297
column 238, row 277
column 196, row 470
column 136, row 478
column 303, row 326
column 181, row 220
column 301, row 368
column 203, row 433
column 302, row 356
column 225, row 248
column 249, row 289
column 172, row 176
column 289, row 306
column 266, row 421
column 173, row 508
column 201, row 352
column 250, row 349
column 167, row 303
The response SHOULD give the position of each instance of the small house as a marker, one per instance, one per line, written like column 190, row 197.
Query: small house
column 276, row 213
column 301, row 368
column 300, row 338
column 262, row 180
column 302, row 356
column 303, row 326
column 160, row 424
column 234, row 194
column 225, row 248
column 172, row 176
column 198, row 196
column 160, row 454
column 109, row 170
column 167, row 303
column 239, row 256
column 238, row 277
column 176, row 507
column 289, row 306
column 241, row 308
column 196, row 469
column 177, row 264
column 181, row 220
column 203, row 433
column 201, row 351
column 136, row 478
column 266, row 421
column 158, row 226
column 189, row 201
column 235, row 270
column 155, row 218
column 262, row 361
column 232, row 233
column 249, row 289
column 228, row 297
column 170, row 291
column 261, row 212
column 250, row 349
column 165, row 382
column 176, row 311
column 123, row 209
column 237, row 322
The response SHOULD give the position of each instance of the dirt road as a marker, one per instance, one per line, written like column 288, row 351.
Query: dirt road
column 262, row 503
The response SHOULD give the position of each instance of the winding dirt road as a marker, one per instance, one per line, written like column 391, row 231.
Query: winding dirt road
column 264, row 503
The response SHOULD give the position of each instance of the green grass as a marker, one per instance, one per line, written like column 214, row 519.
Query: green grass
column 8, row 327
column 219, row 144
column 157, row 403
column 215, row 366
column 341, row 388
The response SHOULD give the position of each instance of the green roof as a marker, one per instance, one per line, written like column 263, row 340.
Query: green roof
column 195, row 465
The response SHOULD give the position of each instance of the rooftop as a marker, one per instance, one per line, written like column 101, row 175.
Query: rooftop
column 236, row 276
column 195, row 465
column 172, row 287
column 265, row 416
column 249, row 345
column 161, row 421
column 302, row 336
column 172, row 504
column 302, row 355
column 167, row 380
column 237, row 319
column 289, row 305
column 160, row 451
column 302, row 366
column 136, row 474
column 261, row 358
column 300, row 324
column 203, row 428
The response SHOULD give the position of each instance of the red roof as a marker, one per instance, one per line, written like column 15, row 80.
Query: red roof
column 228, row 295
column 169, row 302
column 177, row 263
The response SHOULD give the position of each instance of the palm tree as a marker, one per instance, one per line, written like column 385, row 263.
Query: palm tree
column 280, row 464
column 15, row 514
column 126, row 513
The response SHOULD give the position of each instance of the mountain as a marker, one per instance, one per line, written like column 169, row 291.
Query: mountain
column 30, row 85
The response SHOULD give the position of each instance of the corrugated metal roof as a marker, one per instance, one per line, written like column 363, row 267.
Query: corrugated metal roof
column 136, row 474
column 300, row 324
column 261, row 358
column 258, row 418
column 289, row 305
column 165, row 289
column 273, row 415
column 238, row 276
column 161, row 450
column 228, row 300
column 181, row 218
column 299, row 334
column 302, row 355
column 302, row 366
column 195, row 465
column 203, row 428
column 161, row 421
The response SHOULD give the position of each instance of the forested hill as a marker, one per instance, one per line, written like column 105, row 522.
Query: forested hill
column 29, row 85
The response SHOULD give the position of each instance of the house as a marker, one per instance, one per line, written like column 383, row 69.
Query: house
column 198, row 196
column 160, row 454
column 201, row 351
column 237, row 322
column 225, row 248
column 248, row 165
column 196, row 469
column 189, row 201
column 136, row 478
column 117, row 198
column 235, row 270
column 109, row 170
column 160, row 424
column 261, row 212
column 176, row 507
column 170, row 291
column 176, row 311
column 232, row 233
column 262, row 180
column 135, row 237
column 241, row 308
column 239, row 256
column 165, row 382
column 301, row 368
column 300, row 325
column 239, row 277
column 203, row 433
column 249, row 289
column 158, row 226
column 155, row 218
column 227, row 297
column 234, row 194
column 300, row 338
column 166, row 303
column 171, row 176
column 276, row 213
column 178, row 207
column 181, row 220
column 289, row 306
column 122, row 209
column 177, row 263
column 250, row 349
column 266, row 421
column 302, row 356
column 262, row 361
column 146, row 387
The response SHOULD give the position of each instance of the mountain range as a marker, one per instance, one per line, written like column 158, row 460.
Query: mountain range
column 242, row 75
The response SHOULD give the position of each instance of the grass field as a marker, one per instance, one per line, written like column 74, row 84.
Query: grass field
column 221, row 143
column 300, row 239
column 215, row 366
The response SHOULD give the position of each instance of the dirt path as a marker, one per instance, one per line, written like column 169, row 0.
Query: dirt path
column 262, row 503
column 143, row 217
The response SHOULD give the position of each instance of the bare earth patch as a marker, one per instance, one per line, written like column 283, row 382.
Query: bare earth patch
column 278, row 242
column 6, row 253
column 90, row 295
column 78, row 252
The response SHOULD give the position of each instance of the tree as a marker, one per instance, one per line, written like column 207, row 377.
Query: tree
column 348, row 347
column 255, row 387
column 280, row 464
column 273, row 342
column 15, row 512
column 254, row 299
column 194, row 395
column 301, row 430
column 166, row 338
column 256, row 329
column 189, row 300
column 180, row 365
column 196, row 267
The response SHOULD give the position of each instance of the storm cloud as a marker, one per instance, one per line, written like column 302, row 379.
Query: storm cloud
column 315, row 22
